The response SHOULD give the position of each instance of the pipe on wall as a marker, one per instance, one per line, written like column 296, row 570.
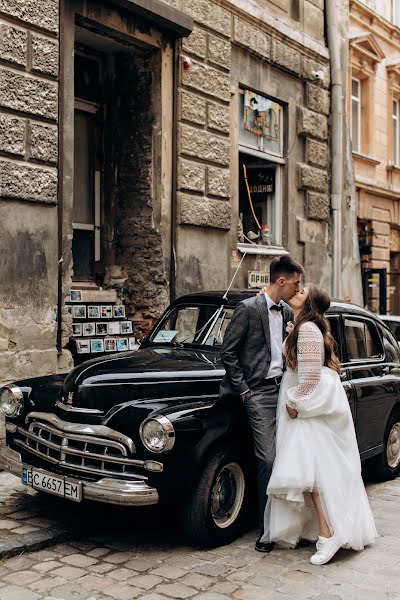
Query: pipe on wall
column 172, row 271
column 60, row 187
column 336, row 143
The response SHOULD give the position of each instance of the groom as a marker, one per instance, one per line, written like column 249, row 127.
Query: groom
column 252, row 356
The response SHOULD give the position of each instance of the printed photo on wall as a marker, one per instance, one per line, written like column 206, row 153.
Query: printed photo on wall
column 110, row 345
column 132, row 343
column 79, row 311
column 93, row 312
column 76, row 329
column 101, row 328
column 75, row 296
column 126, row 327
column 97, row 345
column 113, row 328
column 119, row 311
column 83, row 346
column 106, row 312
column 89, row 329
column 122, row 344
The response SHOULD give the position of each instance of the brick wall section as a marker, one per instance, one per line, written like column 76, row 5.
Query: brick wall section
column 28, row 100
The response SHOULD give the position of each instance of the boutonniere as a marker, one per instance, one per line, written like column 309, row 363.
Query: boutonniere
column 289, row 327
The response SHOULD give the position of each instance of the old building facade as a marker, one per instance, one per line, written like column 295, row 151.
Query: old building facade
column 145, row 149
column 373, row 105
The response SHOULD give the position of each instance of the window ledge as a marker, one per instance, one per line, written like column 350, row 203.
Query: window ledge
column 366, row 158
column 259, row 249
column 394, row 168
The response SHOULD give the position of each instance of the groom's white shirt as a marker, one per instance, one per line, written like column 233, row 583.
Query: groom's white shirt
column 275, row 327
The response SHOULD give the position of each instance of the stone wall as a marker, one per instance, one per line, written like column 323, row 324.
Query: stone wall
column 28, row 188
column 207, row 137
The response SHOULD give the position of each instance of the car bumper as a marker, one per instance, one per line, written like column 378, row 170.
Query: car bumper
column 107, row 490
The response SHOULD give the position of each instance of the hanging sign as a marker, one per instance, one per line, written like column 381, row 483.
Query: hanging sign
column 257, row 279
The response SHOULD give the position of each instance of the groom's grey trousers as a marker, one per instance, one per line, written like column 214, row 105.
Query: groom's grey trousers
column 260, row 406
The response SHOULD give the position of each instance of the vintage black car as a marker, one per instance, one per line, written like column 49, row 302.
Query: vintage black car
column 147, row 427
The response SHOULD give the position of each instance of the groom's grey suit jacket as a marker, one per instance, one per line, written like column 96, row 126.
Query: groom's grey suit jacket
column 246, row 349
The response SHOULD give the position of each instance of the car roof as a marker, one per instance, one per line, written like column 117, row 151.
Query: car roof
column 236, row 295
column 394, row 318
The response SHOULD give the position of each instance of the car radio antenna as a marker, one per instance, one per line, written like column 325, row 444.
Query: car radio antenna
column 225, row 296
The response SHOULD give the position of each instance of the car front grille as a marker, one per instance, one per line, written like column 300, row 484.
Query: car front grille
column 81, row 452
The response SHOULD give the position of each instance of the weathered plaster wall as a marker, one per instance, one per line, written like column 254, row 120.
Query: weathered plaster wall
column 28, row 189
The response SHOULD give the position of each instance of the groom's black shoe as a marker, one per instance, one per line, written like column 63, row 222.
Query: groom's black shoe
column 262, row 547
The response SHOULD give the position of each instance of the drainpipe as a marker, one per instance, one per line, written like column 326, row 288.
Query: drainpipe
column 175, row 82
column 60, row 187
column 336, row 143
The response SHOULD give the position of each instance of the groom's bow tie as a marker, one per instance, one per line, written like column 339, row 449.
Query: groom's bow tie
column 278, row 307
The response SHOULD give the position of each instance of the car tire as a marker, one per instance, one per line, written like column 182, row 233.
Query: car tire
column 387, row 464
column 214, row 515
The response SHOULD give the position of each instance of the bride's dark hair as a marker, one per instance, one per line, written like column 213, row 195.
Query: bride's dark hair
column 315, row 306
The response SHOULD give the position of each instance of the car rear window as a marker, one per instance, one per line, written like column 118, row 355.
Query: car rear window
column 362, row 340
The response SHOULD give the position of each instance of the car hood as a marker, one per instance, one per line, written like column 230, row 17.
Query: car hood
column 172, row 375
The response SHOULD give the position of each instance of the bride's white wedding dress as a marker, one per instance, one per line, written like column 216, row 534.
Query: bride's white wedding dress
column 316, row 451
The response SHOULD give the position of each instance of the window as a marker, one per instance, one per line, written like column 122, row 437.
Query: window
column 395, row 126
column 260, row 164
column 396, row 12
column 260, row 125
column 362, row 340
column 87, row 168
column 390, row 345
column 356, row 114
column 334, row 326
column 201, row 325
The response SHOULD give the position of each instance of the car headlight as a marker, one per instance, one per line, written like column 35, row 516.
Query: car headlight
column 11, row 400
column 157, row 434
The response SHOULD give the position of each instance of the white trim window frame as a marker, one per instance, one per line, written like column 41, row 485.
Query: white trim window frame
column 395, row 132
column 356, row 118
column 396, row 12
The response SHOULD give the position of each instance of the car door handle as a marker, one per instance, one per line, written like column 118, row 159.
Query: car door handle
column 385, row 370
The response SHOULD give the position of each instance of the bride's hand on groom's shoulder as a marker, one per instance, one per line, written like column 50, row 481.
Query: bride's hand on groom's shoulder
column 292, row 412
column 262, row 291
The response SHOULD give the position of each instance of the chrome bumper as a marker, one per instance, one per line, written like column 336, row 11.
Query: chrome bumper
column 107, row 490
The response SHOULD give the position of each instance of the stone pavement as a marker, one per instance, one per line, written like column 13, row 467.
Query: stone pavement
column 119, row 554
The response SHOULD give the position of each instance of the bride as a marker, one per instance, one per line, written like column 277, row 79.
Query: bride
column 315, row 491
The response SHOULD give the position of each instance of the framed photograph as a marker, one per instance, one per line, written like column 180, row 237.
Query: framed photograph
column 132, row 343
column 114, row 328
column 122, row 344
column 126, row 327
column 106, row 312
column 110, row 345
column 101, row 328
column 83, row 346
column 79, row 311
column 97, row 345
column 89, row 329
column 75, row 295
column 93, row 312
column 76, row 329
column 119, row 311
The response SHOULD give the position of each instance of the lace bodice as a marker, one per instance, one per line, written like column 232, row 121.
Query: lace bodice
column 310, row 358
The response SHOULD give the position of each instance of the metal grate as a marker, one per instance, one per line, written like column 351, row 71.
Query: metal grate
column 78, row 452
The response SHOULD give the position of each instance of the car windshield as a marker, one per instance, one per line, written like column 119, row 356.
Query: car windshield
column 200, row 325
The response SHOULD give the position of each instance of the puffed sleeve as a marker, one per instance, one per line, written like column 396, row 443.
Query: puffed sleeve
column 309, row 364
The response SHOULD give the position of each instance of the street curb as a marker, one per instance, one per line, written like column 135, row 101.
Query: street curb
column 30, row 542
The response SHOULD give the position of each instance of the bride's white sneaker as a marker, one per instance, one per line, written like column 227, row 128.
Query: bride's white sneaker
column 326, row 549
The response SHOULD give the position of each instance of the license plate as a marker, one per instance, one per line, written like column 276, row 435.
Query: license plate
column 47, row 482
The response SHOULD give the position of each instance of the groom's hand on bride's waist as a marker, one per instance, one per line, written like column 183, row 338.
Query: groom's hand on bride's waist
column 292, row 412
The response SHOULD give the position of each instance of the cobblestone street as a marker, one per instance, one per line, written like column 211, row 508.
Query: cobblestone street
column 113, row 553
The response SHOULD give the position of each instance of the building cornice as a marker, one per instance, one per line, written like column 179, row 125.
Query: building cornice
column 370, row 186
column 277, row 28
column 376, row 24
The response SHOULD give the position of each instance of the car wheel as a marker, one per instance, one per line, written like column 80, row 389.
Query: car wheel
column 387, row 464
column 214, row 514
